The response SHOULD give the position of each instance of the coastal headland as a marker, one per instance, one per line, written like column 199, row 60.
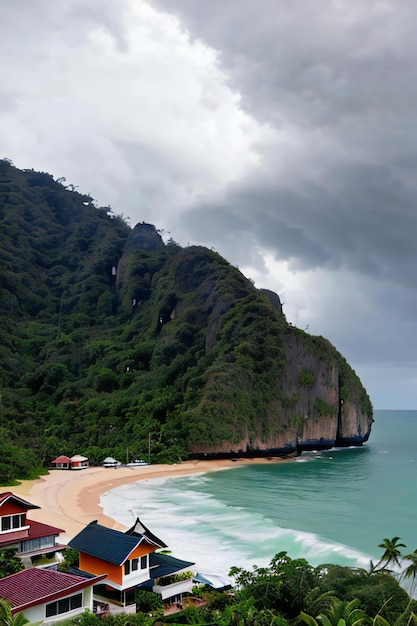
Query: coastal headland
column 70, row 499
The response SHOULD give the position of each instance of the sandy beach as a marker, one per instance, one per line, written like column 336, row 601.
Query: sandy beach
column 70, row 499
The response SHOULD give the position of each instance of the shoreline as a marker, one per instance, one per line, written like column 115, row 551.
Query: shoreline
column 70, row 499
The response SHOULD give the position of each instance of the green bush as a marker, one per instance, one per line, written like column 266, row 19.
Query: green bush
column 149, row 602
column 306, row 379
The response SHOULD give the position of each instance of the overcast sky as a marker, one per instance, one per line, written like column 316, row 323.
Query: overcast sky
column 282, row 133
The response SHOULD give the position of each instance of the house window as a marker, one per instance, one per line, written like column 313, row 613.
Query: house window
column 37, row 544
column 144, row 562
column 13, row 522
column 131, row 566
column 65, row 605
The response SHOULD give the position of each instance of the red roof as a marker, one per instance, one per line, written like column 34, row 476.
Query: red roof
column 37, row 529
column 62, row 459
column 36, row 586
column 8, row 495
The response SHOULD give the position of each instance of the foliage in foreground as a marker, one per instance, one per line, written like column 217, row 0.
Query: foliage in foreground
column 6, row 617
column 291, row 592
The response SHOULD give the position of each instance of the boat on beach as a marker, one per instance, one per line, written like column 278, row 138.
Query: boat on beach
column 136, row 463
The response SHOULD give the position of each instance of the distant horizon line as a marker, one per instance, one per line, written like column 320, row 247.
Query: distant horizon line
column 414, row 410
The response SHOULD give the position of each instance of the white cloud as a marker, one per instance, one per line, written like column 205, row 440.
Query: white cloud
column 142, row 118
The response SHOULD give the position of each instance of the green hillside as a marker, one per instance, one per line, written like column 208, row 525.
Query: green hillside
column 111, row 339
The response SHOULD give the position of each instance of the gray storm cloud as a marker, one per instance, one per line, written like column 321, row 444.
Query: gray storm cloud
column 336, row 191
column 340, row 75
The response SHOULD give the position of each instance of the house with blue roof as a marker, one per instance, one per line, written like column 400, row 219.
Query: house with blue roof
column 130, row 561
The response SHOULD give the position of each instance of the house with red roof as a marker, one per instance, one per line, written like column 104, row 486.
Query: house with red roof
column 61, row 462
column 47, row 596
column 131, row 561
column 31, row 538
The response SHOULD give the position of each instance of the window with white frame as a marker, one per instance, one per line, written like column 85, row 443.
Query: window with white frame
column 135, row 564
column 13, row 522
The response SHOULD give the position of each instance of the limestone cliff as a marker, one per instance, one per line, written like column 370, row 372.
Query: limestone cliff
column 260, row 386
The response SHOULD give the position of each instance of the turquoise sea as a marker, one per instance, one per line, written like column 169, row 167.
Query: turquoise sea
column 328, row 507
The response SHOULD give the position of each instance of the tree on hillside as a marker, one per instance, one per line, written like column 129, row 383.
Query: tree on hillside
column 411, row 569
column 392, row 553
column 282, row 586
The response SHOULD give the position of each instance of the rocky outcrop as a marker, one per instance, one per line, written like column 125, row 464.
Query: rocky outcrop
column 322, row 404
column 354, row 425
column 264, row 387
column 143, row 237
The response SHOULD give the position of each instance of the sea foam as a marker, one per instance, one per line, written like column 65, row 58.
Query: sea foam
column 215, row 535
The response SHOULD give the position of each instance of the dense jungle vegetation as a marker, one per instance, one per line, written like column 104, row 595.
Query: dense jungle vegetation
column 109, row 349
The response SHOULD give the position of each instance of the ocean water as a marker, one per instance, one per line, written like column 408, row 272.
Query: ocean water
column 334, row 506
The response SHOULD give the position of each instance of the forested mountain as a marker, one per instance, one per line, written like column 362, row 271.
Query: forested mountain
column 111, row 339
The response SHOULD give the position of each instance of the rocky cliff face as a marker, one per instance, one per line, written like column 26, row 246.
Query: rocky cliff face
column 267, row 387
column 315, row 382
column 311, row 413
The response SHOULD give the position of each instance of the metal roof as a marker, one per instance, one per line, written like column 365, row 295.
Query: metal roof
column 105, row 543
column 214, row 580
column 140, row 530
column 35, row 586
column 35, row 531
column 38, row 529
column 165, row 565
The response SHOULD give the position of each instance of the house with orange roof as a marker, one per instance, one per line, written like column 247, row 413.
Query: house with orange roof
column 31, row 538
column 46, row 596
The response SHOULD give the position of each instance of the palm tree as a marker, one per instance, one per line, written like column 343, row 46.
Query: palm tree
column 7, row 618
column 381, row 621
column 411, row 570
column 391, row 554
column 341, row 613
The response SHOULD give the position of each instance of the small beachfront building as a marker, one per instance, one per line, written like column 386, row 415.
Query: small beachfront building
column 109, row 461
column 47, row 596
column 79, row 462
column 61, row 462
column 31, row 538
column 65, row 462
column 130, row 561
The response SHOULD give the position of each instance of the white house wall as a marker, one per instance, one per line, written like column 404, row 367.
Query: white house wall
column 135, row 578
column 37, row 613
column 167, row 591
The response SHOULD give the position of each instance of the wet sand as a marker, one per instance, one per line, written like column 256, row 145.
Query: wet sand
column 70, row 499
